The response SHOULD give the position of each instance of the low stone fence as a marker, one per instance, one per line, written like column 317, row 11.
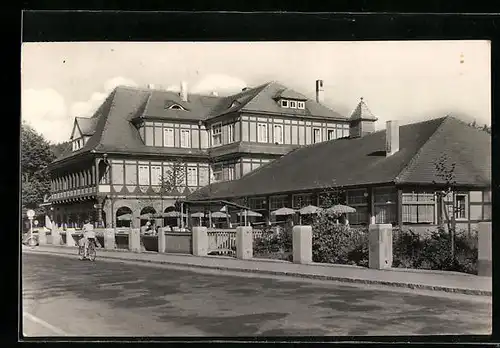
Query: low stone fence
column 200, row 242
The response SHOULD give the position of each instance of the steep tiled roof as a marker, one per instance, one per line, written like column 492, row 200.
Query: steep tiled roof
column 466, row 147
column 361, row 112
column 290, row 94
column 111, row 128
column 362, row 161
column 265, row 102
column 196, row 108
column 87, row 125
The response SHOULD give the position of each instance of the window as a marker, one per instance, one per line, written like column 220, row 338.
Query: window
column 358, row 199
column 149, row 136
column 301, row 105
column 293, row 104
column 284, row 103
column 155, row 175
column 217, row 173
column 257, row 203
column 192, row 176
column 185, row 138
column 316, row 135
column 301, row 200
column 461, row 206
column 230, row 133
column 385, row 205
column 345, row 132
column 144, row 175
column 176, row 107
column 216, row 134
column 331, row 134
column 168, row 137
column 203, row 176
column 278, row 134
column 262, row 132
column 130, row 174
column 117, row 173
column 276, row 202
column 418, row 207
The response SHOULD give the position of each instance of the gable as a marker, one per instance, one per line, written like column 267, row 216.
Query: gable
column 76, row 132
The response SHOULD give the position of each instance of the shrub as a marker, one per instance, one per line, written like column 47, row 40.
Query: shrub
column 336, row 243
column 411, row 250
column 275, row 245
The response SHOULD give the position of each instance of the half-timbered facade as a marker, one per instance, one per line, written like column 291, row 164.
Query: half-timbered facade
column 120, row 158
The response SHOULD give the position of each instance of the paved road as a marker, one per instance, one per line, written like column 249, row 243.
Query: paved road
column 64, row 296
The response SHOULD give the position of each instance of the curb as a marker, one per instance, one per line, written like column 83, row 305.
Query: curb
column 301, row 275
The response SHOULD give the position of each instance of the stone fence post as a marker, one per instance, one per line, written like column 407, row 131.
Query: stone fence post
column 109, row 239
column 70, row 241
column 200, row 241
column 244, row 242
column 56, row 236
column 161, row 240
column 302, row 244
column 42, row 236
column 484, row 249
column 380, row 246
column 134, row 240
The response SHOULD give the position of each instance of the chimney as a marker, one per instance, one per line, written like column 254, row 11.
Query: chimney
column 184, row 91
column 391, row 138
column 319, row 91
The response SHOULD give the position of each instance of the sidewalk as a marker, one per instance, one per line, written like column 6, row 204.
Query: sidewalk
column 415, row 279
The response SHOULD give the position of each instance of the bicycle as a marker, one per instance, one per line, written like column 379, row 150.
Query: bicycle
column 91, row 251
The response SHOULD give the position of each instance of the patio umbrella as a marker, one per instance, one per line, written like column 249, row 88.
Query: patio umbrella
column 249, row 213
column 124, row 217
column 341, row 209
column 199, row 214
column 170, row 214
column 219, row 214
column 310, row 209
column 283, row 212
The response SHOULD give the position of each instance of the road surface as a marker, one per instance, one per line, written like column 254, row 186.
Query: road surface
column 63, row 296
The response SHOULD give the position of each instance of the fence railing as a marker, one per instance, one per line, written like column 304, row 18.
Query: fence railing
column 221, row 241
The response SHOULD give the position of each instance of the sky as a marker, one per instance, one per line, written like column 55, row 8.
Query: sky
column 408, row 81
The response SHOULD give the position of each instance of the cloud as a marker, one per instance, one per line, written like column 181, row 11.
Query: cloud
column 88, row 107
column 110, row 84
column 45, row 110
column 223, row 84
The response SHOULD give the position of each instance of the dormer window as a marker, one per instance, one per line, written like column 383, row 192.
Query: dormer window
column 234, row 104
column 301, row 105
column 78, row 144
column 176, row 107
column 293, row 104
column 284, row 103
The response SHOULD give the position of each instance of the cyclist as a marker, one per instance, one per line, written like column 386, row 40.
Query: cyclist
column 88, row 236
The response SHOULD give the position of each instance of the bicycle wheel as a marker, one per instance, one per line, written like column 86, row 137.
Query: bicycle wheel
column 92, row 253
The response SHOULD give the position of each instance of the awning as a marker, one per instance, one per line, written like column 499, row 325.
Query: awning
column 124, row 217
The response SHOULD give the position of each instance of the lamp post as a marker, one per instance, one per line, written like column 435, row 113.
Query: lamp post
column 31, row 213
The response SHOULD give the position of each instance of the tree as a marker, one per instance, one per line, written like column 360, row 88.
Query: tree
column 445, row 170
column 59, row 149
column 36, row 154
column 174, row 177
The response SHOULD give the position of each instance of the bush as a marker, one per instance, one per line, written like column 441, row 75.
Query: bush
column 274, row 245
column 336, row 243
column 411, row 250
